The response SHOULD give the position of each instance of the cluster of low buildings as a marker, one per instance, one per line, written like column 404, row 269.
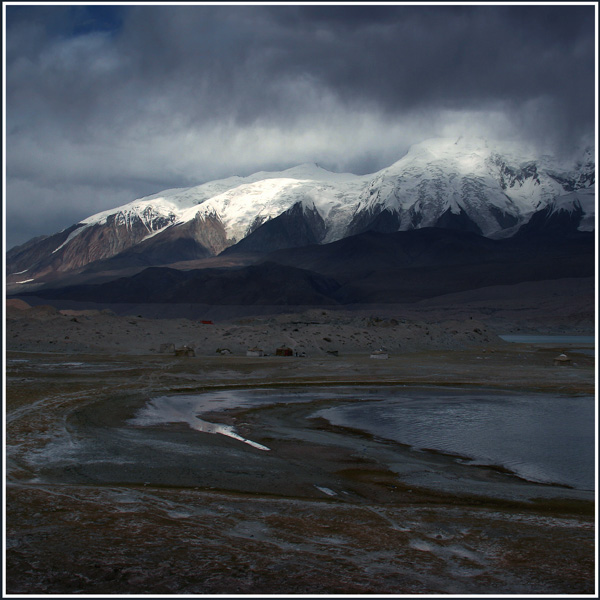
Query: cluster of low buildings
column 257, row 352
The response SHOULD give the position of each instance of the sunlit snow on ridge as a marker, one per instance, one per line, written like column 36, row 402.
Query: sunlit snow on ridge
column 434, row 176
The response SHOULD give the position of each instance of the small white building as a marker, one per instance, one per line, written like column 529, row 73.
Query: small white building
column 380, row 354
column 254, row 352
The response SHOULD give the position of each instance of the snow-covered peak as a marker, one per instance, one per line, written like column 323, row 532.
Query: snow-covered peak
column 314, row 172
column 183, row 198
column 472, row 184
column 466, row 153
column 305, row 172
column 145, row 209
column 496, row 184
column 448, row 147
column 266, row 195
column 310, row 170
column 239, row 207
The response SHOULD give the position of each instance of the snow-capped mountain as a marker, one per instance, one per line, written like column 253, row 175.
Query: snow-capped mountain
column 474, row 185
column 466, row 184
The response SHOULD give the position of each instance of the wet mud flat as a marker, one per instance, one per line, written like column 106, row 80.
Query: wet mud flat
column 97, row 505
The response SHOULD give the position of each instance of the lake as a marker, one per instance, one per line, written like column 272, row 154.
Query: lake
column 543, row 438
column 550, row 339
column 540, row 437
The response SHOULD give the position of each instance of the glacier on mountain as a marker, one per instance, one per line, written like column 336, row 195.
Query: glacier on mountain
column 438, row 175
column 488, row 187
column 494, row 185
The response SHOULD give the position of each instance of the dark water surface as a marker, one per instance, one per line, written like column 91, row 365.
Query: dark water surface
column 542, row 438
column 545, row 438
column 549, row 339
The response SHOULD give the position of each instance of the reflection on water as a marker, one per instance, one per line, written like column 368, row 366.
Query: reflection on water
column 169, row 409
column 542, row 438
column 586, row 351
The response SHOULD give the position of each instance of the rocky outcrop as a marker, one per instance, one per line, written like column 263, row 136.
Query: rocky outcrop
column 80, row 245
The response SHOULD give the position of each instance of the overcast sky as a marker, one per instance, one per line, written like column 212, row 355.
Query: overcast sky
column 105, row 104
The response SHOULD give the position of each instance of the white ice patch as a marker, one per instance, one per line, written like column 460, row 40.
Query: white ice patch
column 229, row 431
column 326, row 490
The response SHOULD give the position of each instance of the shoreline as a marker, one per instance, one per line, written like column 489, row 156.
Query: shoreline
column 323, row 500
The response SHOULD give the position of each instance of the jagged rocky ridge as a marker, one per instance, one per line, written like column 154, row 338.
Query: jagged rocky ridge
column 469, row 185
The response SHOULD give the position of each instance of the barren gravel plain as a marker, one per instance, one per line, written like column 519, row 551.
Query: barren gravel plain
column 98, row 504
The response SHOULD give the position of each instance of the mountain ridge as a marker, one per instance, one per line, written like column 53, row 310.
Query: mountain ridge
column 368, row 268
column 471, row 185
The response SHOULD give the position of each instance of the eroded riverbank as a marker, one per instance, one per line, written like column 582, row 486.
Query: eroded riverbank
column 98, row 505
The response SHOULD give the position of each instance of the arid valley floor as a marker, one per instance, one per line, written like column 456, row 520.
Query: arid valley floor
column 96, row 505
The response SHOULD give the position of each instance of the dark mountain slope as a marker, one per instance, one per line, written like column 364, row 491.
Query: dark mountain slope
column 412, row 265
column 367, row 268
column 358, row 255
column 37, row 255
column 172, row 246
column 549, row 222
column 294, row 228
column 265, row 284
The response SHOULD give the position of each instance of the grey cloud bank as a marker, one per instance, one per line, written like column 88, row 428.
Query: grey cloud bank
column 106, row 104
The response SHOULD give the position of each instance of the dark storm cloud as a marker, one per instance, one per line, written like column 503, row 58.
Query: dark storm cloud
column 108, row 103
column 393, row 58
column 244, row 62
column 406, row 58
